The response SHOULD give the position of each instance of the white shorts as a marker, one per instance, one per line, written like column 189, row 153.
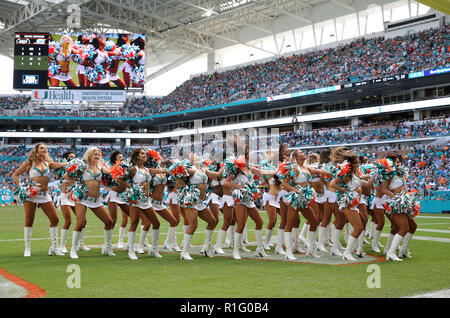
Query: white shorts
column 248, row 204
column 213, row 198
column 362, row 199
column 199, row 206
column 378, row 203
column 330, row 196
column 280, row 196
column 91, row 203
column 81, row 69
column 228, row 199
column 41, row 197
column 66, row 200
column 113, row 76
column 268, row 198
column 158, row 205
column 125, row 67
column 143, row 205
column 114, row 197
column 321, row 198
column 62, row 76
column 171, row 198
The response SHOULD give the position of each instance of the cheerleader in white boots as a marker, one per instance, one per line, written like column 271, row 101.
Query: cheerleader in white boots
column 320, row 196
column 115, row 202
column 283, row 156
column 349, row 185
column 176, row 210
column 90, row 180
column 336, row 157
column 158, row 183
column 396, row 206
column 140, row 177
column 191, row 197
column 296, row 180
column 229, row 224
column 240, row 177
column 37, row 168
column 270, row 198
column 66, row 205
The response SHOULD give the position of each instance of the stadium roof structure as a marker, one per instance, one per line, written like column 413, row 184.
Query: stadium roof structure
column 176, row 30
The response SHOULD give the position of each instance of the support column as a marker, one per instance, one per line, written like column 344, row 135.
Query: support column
column 418, row 114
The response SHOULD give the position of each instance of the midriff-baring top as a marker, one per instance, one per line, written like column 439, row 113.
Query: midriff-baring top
column 243, row 178
column 89, row 175
column 396, row 182
column 157, row 180
column 354, row 183
column 302, row 177
column 315, row 178
column 197, row 178
column 140, row 177
column 35, row 172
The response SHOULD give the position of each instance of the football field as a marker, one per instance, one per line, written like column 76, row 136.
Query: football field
column 99, row 276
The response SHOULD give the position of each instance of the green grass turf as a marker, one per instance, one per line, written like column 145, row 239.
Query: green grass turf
column 103, row 276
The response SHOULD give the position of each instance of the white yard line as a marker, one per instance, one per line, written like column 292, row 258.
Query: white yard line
column 432, row 230
column 445, row 293
column 433, row 217
column 426, row 238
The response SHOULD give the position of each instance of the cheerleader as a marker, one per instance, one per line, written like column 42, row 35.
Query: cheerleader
column 349, row 186
column 82, row 40
column 113, row 67
column 336, row 157
column 115, row 202
column 176, row 210
column 138, row 195
column 283, row 156
column 137, row 75
column 86, row 193
column 96, row 71
column 240, row 177
column 125, row 67
column 270, row 199
column 37, row 168
column 296, row 180
column 191, row 196
column 67, row 205
column 63, row 57
column 398, row 208
column 158, row 184
column 318, row 185
column 384, row 169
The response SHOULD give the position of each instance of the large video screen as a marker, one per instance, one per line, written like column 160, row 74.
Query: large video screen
column 79, row 61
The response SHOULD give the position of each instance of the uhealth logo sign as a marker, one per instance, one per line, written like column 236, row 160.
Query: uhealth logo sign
column 30, row 79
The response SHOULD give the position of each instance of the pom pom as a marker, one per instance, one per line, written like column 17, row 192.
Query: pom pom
column 60, row 172
column 25, row 190
column 349, row 199
column 399, row 204
column 180, row 169
column 133, row 195
column 76, row 168
column 343, row 169
column 120, row 170
column 95, row 73
column 137, row 75
column 250, row 193
column 240, row 162
column 110, row 46
column 301, row 200
column 189, row 196
column 77, row 191
column 206, row 162
column 54, row 68
column 285, row 169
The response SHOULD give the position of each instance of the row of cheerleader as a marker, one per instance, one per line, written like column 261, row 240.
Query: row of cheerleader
column 336, row 182
column 97, row 59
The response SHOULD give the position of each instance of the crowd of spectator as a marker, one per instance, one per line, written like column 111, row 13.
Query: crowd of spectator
column 362, row 59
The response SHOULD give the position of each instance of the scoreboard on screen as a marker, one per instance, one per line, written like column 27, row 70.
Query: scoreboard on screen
column 30, row 60
column 81, row 61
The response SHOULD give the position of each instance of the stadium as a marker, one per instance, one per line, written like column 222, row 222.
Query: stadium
column 281, row 149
